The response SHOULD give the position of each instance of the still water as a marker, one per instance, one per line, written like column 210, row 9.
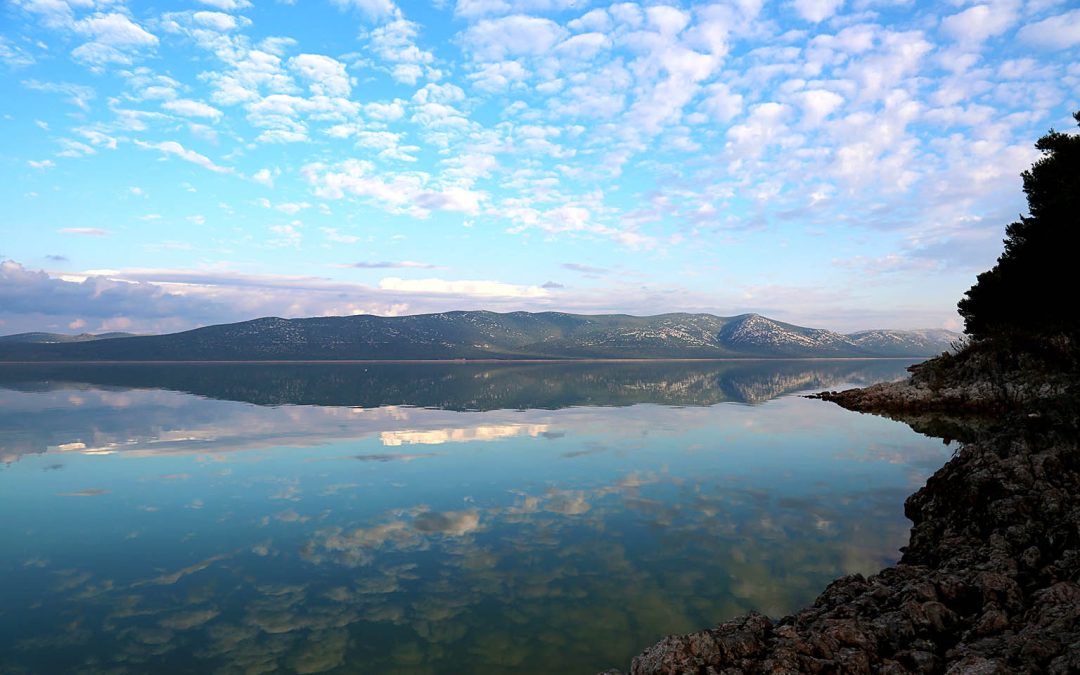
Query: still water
column 428, row 518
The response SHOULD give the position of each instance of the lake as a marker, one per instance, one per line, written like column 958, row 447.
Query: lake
column 435, row 518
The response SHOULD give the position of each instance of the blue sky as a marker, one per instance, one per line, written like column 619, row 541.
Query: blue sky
column 835, row 163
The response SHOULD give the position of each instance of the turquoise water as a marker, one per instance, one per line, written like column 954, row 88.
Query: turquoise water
column 427, row 519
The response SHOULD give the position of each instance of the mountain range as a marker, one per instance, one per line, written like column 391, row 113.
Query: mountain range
column 487, row 335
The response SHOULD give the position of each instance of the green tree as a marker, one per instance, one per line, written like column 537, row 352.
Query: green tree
column 1033, row 287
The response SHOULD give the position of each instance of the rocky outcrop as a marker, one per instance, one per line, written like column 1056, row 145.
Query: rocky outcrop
column 988, row 583
column 985, row 378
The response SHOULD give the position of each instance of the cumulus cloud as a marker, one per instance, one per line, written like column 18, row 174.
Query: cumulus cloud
column 263, row 177
column 817, row 11
column 497, row 39
column 36, row 293
column 410, row 192
column 395, row 44
column 325, row 76
column 981, row 22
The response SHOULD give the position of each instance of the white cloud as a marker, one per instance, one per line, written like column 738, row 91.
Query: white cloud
column 227, row 5
column 395, row 42
column 263, row 177
column 721, row 102
column 817, row 11
column 817, row 104
column 496, row 39
column 114, row 39
column 249, row 73
column 667, row 19
column 407, row 73
column 402, row 264
column 498, row 76
column 478, row 8
column 373, row 9
column 282, row 136
column 72, row 148
column 285, row 236
column 13, row 55
column 661, row 126
column 216, row 20
column 189, row 108
column 174, row 148
column 898, row 56
column 1057, row 32
column 764, row 126
column 406, row 192
column 455, row 199
column 85, row 231
column 325, row 76
column 470, row 289
column 77, row 94
column 976, row 24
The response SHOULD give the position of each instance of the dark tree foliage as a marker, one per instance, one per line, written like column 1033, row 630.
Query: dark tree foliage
column 1033, row 288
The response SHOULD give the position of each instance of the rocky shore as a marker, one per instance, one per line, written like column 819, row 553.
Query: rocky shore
column 989, row 581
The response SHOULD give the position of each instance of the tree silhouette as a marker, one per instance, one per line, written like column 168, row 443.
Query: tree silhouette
column 1033, row 287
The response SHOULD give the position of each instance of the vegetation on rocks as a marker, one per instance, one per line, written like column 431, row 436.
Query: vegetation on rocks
column 1023, row 293
column 1023, row 341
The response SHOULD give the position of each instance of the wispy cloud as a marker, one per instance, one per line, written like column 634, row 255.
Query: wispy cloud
column 402, row 264
column 585, row 269
column 85, row 231
column 175, row 149
column 462, row 288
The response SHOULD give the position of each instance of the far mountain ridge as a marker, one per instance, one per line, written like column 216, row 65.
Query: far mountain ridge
column 491, row 335
column 51, row 338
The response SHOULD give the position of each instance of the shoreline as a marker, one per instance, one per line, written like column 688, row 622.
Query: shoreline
column 988, row 583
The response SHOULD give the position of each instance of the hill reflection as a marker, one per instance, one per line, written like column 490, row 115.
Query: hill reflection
column 467, row 386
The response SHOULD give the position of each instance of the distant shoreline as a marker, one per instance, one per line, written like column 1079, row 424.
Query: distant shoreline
column 239, row 362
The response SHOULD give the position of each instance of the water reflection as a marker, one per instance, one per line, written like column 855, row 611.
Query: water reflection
column 150, row 530
column 466, row 386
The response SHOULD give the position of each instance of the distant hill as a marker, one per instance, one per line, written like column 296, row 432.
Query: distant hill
column 902, row 342
column 490, row 335
column 54, row 338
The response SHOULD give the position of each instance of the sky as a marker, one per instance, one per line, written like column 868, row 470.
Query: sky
column 843, row 164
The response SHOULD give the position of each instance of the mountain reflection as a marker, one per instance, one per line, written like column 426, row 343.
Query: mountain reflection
column 145, row 409
column 527, row 520
column 467, row 386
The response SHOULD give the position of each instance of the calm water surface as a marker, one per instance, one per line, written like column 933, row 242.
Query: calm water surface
column 427, row 519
